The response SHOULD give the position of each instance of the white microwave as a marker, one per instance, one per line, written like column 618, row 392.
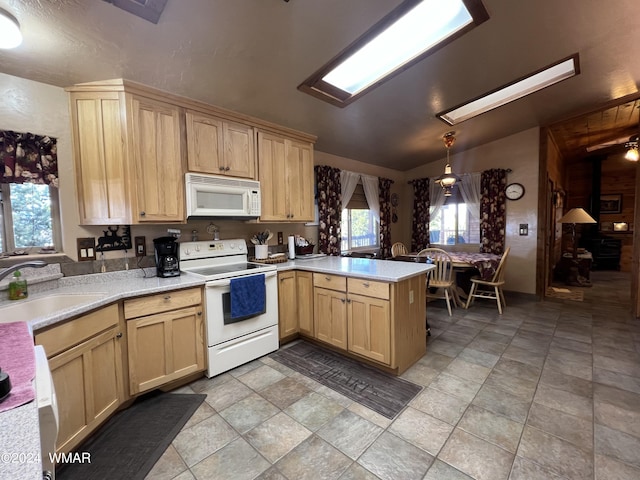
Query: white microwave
column 219, row 196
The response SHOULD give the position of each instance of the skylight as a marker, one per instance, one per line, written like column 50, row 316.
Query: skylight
column 531, row 83
column 405, row 36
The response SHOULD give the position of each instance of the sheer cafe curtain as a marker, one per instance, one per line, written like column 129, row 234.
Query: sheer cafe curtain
column 348, row 183
column 471, row 192
column 436, row 199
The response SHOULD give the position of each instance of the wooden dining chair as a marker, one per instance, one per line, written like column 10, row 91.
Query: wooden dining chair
column 441, row 277
column 398, row 248
column 490, row 288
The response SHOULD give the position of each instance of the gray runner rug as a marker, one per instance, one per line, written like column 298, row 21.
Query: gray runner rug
column 377, row 390
column 132, row 441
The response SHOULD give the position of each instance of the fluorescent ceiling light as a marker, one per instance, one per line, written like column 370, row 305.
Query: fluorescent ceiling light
column 10, row 36
column 409, row 33
column 531, row 83
column 422, row 27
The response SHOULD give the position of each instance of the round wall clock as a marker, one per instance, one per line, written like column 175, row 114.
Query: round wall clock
column 514, row 191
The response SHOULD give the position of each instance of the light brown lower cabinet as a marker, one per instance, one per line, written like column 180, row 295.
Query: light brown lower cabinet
column 295, row 304
column 85, row 359
column 166, row 339
column 287, row 304
column 379, row 321
column 330, row 316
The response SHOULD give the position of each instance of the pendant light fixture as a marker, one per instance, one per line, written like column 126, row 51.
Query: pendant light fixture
column 448, row 179
column 10, row 36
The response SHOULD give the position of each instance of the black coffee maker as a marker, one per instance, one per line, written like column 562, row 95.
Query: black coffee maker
column 167, row 256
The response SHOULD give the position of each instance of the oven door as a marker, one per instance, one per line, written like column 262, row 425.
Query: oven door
column 217, row 295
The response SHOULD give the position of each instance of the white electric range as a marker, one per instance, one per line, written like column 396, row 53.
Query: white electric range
column 232, row 342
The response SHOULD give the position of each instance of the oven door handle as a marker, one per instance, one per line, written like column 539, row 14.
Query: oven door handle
column 225, row 282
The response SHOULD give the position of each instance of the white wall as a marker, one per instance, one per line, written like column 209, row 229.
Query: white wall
column 520, row 153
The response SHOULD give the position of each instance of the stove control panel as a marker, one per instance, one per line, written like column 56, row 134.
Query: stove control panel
column 213, row 248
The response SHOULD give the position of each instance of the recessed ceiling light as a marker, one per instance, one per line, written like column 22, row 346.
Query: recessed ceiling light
column 527, row 85
column 10, row 36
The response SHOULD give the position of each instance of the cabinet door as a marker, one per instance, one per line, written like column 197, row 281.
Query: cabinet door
column 304, row 291
column 287, row 304
column 165, row 347
column 88, row 383
column 239, row 150
column 101, row 165
column 330, row 317
column 158, row 157
column 205, row 143
column 271, row 154
column 300, row 181
column 369, row 323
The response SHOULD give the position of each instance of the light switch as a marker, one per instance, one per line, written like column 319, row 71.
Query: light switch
column 86, row 249
column 524, row 229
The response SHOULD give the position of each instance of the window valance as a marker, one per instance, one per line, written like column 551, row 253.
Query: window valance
column 28, row 158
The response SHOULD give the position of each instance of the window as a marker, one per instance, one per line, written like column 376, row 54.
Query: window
column 453, row 224
column 359, row 226
column 407, row 35
column 29, row 217
column 360, row 229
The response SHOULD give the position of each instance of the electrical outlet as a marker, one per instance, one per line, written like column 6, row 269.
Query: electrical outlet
column 141, row 247
column 86, row 249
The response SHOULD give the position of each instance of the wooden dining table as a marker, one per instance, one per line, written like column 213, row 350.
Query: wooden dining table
column 464, row 264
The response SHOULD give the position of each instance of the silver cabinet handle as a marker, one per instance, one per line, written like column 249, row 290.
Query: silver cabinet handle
column 142, row 214
column 328, row 279
column 199, row 314
column 119, row 335
column 365, row 284
column 342, row 300
column 167, row 297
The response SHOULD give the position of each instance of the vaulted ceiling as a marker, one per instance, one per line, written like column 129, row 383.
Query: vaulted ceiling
column 250, row 56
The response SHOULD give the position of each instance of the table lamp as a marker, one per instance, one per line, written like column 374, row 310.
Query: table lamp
column 573, row 217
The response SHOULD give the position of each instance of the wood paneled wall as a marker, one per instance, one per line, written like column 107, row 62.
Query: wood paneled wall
column 618, row 177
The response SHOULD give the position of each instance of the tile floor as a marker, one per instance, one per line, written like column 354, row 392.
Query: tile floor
column 549, row 390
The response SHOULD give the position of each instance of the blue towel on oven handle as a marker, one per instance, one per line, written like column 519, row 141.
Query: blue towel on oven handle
column 248, row 296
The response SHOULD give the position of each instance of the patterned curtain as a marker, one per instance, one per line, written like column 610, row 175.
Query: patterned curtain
column 28, row 158
column 384, row 187
column 420, row 238
column 329, row 209
column 493, row 211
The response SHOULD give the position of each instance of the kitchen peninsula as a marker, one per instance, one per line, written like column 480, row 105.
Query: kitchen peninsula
column 373, row 310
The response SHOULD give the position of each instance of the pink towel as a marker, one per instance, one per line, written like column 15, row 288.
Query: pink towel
column 18, row 360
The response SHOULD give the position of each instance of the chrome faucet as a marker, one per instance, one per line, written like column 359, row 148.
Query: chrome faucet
column 34, row 264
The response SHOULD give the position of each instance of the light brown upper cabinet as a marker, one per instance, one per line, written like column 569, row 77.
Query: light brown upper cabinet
column 286, row 178
column 129, row 152
column 218, row 146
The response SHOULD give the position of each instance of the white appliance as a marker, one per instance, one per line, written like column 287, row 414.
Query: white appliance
column 230, row 342
column 47, row 412
column 219, row 196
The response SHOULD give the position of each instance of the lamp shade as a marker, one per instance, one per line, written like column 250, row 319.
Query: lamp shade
column 576, row 215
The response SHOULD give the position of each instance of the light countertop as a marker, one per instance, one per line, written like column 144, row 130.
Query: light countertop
column 371, row 269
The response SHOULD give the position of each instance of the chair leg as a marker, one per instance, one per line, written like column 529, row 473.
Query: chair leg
column 498, row 301
column 446, row 297
column 504, row 301
column 470, row 297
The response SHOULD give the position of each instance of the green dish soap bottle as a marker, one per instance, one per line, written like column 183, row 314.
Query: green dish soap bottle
column 18, row 287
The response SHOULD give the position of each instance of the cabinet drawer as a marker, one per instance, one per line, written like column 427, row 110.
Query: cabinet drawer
column 162, row 302
column 369, row 288
column 66, row 335
column 332, row 282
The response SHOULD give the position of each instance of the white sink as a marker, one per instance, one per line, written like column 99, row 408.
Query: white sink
column 25, row 310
